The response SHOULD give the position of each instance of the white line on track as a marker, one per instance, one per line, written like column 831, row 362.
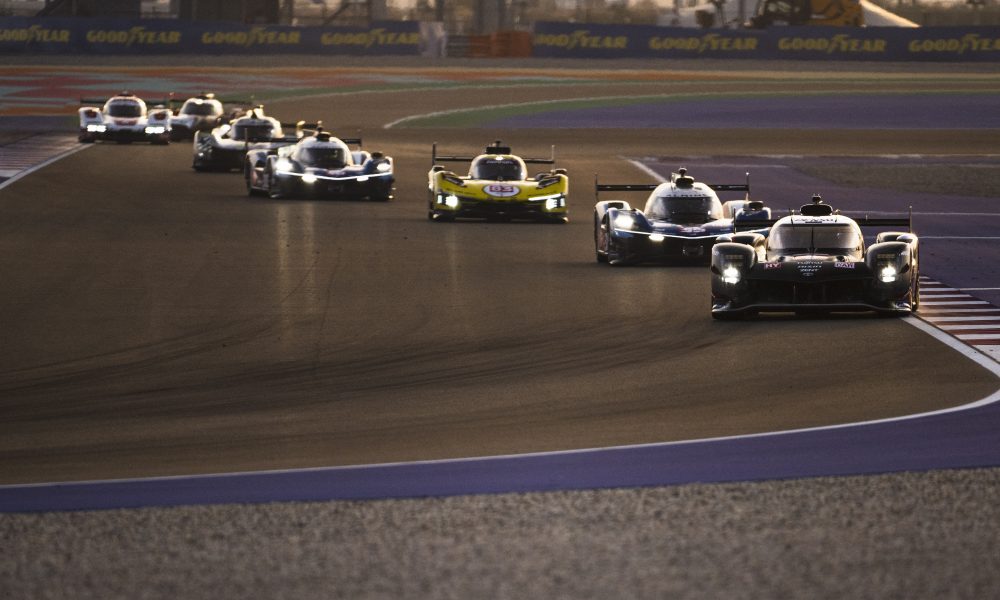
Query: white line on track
column 45, row 162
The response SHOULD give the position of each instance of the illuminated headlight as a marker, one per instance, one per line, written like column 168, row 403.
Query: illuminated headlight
column 283, row 164
column 97, row 128
column 156, row 129
column 362, row 179
column 555, row 202
column 383, row 167
column 887, row 274
column 624, row 222
column 656, row 237
column 308, row 178
column 451, row 200
column 731, row 275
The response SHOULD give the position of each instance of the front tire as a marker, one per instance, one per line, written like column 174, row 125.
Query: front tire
column 601, row 241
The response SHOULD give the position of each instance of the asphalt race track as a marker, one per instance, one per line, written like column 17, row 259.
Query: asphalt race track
column 159, row 323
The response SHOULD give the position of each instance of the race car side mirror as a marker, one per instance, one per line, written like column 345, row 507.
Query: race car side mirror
column 437, row 168
column 558, row 171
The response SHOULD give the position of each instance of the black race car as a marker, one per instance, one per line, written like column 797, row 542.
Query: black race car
column 816, row 261
column 682, row 220
column 225, row 147
column 319, row 166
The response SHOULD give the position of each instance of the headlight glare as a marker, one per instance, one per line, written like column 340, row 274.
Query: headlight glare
column 624, row 222
column 887, row 274
column 731, row 275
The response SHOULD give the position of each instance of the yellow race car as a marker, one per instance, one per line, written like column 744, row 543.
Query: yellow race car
column 497, row 188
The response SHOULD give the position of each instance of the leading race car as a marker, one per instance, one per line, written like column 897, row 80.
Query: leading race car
column 124, row 118
column 682, row 220
column 816, row 261
column 319, row 166
column 203, row 112
column 225, row 147
column 497, row 187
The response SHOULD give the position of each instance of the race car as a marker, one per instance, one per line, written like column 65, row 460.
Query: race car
column 203, row 112
column 682, row 220
column 225, row 147
column 497, row 188
column 816, row 261
column 124, row 118
column 319, row 166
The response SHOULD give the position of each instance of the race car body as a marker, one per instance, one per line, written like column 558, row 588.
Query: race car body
column 816, row 261
column 124, row 118
column 497, row 187
column 200, row 113
column 682, row 220
column 225, row 147
column 319, row 166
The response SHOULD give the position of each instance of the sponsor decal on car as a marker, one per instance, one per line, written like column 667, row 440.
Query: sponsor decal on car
column 772, row 265
column 808, row 269
column 499, row 190
column 843, row 265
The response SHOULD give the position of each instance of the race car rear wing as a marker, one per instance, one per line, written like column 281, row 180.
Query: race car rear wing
column 303, row 129
column 864, row 221
column 496, row 148
column 649, row 187
column 165, row 102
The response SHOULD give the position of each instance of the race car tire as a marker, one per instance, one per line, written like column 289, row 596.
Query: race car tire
column 726, row 316
column 274, row 190
column 915, row 292
column 600, row 241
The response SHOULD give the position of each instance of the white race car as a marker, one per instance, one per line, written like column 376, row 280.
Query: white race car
column 124, row 118
column 203, row 112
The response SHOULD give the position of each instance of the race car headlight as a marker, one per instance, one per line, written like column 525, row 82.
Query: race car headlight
column 731, row 275
column 656, row 237
column 97, row 128
column 156, row 129
column 283, row 164
column 555, row 202
column 887, row 274
column 624, row 222
column 383, row 167
column 450, row 200
column 308, row 178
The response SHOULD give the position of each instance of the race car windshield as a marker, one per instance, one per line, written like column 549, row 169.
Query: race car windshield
column 688, row 209
column 493, row 169
column 252, row 133
column 323, row 158
column 127, row 110
column 201, row 109
column 823, row 239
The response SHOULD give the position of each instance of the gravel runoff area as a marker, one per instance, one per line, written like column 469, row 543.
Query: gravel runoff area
column 908, row 535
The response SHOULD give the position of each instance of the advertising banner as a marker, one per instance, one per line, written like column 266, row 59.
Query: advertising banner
column 568, row 40
column 19, row 35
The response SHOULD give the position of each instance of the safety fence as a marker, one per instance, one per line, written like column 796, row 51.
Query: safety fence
column 161, row 36
column 569, row 40
column 549, row 39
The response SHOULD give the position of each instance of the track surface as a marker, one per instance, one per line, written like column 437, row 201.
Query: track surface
column 163, row 323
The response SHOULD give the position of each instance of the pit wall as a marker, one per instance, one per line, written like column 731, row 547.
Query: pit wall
column 956, row 44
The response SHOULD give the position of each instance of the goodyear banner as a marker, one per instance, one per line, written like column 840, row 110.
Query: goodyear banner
column 170, row 36
column 565, row 40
